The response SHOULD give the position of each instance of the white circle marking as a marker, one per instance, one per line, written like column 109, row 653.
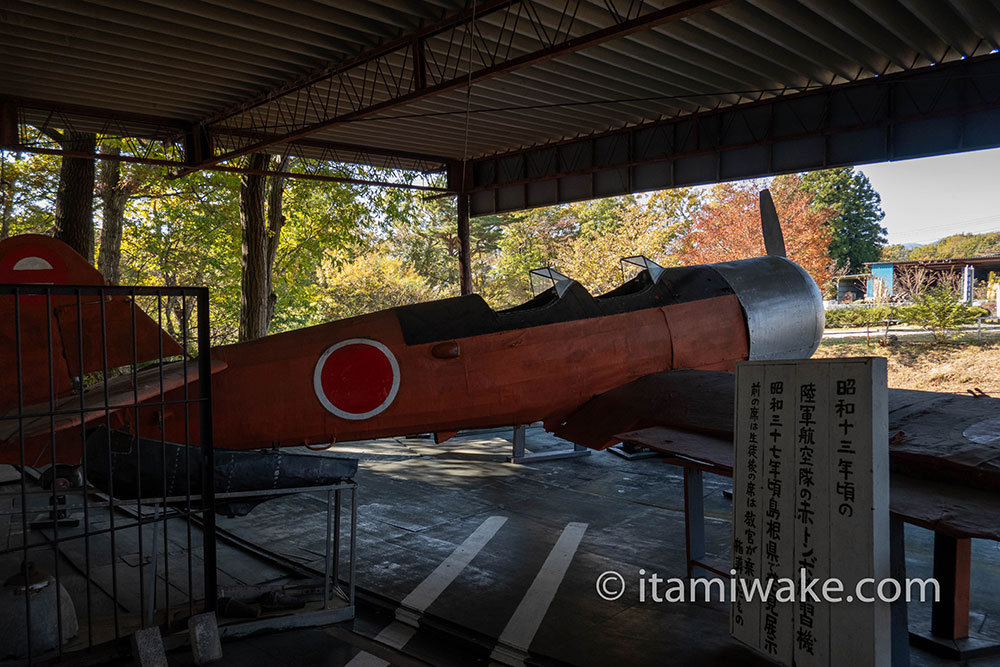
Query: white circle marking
column 32, row 264
column 318, row 381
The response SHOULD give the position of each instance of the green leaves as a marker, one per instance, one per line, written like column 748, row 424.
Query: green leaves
column 371, row 282
column 939, row 311
column 956, row 245
column 28, row 185
column 857, row 236
column 347, row 249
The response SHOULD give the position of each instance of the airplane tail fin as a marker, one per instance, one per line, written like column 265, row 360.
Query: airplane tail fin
column 48, row 343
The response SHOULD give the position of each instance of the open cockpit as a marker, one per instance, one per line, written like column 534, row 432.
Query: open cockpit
column 565, row 300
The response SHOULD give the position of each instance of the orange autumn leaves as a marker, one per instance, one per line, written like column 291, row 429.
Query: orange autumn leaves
column 727, row 226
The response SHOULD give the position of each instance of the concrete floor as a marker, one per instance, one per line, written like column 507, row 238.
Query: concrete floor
column 419, row 501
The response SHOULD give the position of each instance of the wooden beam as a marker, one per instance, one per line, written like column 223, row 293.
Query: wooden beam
column 952, row 569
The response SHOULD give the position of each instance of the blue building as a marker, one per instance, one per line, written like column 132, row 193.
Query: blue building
column 881, row 271
column 881, row 278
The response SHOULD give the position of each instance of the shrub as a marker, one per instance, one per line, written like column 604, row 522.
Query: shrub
column 940, row 312
column 857, row 316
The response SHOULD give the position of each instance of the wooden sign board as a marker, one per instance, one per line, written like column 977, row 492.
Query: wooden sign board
column 811, row 502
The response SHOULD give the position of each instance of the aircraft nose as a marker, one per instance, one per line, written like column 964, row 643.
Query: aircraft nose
column 782, row 304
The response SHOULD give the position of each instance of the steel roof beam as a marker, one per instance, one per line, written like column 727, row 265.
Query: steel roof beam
column 162, row 21
column 335, row 96
column 8, row 124
column 982, row 17
column 96, row 113
column 948, row 25
column 438, row 162
column 160, row 162
column 191, row 52
column 898, row 19
column 458, row 20
column 952, row 107
column 121, row 124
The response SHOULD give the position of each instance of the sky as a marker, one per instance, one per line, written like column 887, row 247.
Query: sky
column 930, row 198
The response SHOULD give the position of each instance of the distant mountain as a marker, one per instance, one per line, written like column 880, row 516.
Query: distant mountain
column 956, row 245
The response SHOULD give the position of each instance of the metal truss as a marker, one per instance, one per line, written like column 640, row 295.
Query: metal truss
column 942, row 109
column 490, row 39
column 33, row 128
column 28, row 128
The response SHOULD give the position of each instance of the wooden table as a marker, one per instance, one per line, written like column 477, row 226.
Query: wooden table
column 956, row 514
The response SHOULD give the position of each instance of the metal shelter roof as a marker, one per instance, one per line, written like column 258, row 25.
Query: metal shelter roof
column 518, row 91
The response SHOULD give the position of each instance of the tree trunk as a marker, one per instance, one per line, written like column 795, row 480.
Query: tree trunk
column 261, row 232
column 275, row 221
column 75, row 198
column 114, row 195
column 7, row 208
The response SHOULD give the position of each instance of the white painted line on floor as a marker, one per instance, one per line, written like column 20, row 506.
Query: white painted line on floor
column 522, row 626
column 400, row 631
column 430, row 588
column 365, row 659
column 395, row 635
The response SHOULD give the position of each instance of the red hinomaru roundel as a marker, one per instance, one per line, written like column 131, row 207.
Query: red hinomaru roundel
column 356, row 378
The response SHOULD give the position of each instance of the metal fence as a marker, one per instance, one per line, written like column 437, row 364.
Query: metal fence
column 107, row 521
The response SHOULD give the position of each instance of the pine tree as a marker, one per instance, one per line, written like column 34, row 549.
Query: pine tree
column 856, row 235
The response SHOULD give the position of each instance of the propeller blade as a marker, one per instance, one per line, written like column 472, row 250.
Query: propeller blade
column 774, row 241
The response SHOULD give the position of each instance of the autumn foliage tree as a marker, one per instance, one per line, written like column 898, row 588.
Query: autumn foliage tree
column 727, row 226
column 649, row 226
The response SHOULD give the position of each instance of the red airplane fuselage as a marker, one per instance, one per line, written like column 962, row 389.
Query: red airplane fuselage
column 454, row 364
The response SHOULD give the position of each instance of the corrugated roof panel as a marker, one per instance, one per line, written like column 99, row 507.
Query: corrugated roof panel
column 193, row 60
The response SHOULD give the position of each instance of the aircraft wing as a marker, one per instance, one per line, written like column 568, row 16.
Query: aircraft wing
column 942, row 447
column 38, row 426
column 712, row 450
column 941, row 479
column 933, row 435
column 694, row 401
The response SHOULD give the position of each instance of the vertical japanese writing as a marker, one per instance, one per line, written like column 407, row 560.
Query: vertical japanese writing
column 805, row 512
column 778, row 474
column 773, row 514
column 859, row 505
column 750, row 516
column 846, row 453
column 810, row 503
column 812, row 542
column 746, row 543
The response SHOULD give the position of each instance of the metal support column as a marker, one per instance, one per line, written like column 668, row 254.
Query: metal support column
column 520, row 456
column 208, row 452
column 464, row 246
column 898, row 611
column 8, row 125
column 694, row 517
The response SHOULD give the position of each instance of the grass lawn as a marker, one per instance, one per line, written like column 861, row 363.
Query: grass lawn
column 956, row 366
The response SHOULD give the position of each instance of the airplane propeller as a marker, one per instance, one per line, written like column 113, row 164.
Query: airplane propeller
column 774, row 241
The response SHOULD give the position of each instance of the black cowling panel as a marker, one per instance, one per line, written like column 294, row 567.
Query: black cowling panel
column 676, row 285
column 576, row 303
column 464, row 316
column 446, row 319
